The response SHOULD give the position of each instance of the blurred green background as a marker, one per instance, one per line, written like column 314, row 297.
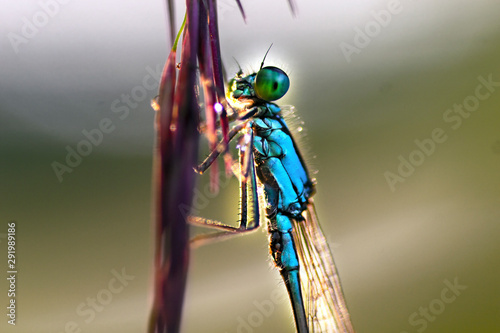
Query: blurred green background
column 395, row 248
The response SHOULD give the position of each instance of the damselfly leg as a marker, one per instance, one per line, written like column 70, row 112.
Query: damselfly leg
column 249, row 205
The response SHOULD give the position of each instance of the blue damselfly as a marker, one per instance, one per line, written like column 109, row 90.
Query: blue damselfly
column 270, row 162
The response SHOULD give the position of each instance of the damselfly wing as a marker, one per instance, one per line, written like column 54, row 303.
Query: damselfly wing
column 324, row 301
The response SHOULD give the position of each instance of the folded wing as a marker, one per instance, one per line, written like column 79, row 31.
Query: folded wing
column 323, row 297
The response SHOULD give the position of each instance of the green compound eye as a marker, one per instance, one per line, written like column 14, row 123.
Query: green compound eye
column 271, row 83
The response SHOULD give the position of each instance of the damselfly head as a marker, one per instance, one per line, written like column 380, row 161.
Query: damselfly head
column 268, row 84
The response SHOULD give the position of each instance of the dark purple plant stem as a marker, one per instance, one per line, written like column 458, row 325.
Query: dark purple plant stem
column 171, row 19
column 176, row 155
column 163, row 120
column 293, row 7
column 207, row 79
column 181, row 183
column 217, row 65
column 238, row 2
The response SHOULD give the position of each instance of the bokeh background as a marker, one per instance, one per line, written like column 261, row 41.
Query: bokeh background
column 397, row 249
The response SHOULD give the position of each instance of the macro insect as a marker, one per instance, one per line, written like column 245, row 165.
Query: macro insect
column 271, row 164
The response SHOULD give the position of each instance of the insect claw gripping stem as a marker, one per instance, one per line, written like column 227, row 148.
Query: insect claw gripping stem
column 221, row 147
